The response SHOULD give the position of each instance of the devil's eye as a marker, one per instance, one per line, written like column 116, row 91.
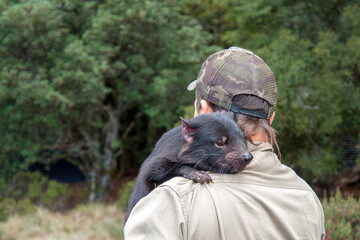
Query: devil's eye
column 219, row 144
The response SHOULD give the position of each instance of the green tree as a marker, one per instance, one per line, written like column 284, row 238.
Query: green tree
column 78, row 77
column 319, row 94
column 313, row 49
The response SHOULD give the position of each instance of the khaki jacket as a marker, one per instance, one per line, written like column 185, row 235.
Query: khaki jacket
column 265, row 201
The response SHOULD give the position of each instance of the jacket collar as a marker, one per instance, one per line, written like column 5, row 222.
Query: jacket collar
column 260, row 146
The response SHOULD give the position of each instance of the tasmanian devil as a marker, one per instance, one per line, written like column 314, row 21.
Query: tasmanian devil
column 210, row 142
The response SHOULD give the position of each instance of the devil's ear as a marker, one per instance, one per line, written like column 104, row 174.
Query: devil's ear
column 187, row 131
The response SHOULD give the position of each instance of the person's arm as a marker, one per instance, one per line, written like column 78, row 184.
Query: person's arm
column 157, row 216
column 320, row 226
column 322, row 221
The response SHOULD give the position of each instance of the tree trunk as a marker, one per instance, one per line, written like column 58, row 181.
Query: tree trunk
column 105, row 176
column 92, row 195
column 111, row 128
column 101, row 156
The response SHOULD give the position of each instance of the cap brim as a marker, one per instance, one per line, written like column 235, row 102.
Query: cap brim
column 192, row 85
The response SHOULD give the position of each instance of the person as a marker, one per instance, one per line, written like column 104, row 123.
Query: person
column 267, row 200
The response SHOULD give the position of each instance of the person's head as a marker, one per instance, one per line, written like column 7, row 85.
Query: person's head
column 237, row 80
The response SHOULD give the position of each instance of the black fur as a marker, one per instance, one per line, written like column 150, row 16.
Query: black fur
column 196, row 146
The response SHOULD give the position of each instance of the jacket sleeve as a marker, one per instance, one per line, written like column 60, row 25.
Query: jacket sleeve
column 157, row 216
column 322, row 220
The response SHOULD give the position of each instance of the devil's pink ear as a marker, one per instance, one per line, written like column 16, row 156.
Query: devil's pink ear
column 187, row 131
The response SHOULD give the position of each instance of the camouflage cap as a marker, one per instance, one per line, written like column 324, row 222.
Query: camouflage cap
column 234, row 71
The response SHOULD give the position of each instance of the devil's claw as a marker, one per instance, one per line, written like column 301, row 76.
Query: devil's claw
column 199, row 177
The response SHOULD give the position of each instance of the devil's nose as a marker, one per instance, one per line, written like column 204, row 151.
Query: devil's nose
column 247, row 157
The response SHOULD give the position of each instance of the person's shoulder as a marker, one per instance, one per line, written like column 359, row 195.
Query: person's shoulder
column 181, row 186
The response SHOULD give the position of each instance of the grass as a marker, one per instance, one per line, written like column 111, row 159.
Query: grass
column 86, row 222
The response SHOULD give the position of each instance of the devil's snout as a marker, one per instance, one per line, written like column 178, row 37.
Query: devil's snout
column 247, row 157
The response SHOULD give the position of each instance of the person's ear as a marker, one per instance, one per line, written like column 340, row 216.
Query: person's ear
column 272, row 117
column 205, row 107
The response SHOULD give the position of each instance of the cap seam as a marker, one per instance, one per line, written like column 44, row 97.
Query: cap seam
column 215, row 75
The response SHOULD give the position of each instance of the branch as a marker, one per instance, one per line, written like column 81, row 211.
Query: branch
column 131, row 125
column 85, row 135
column 118, row 153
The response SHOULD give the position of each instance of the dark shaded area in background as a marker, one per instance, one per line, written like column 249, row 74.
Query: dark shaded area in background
column 61, row 171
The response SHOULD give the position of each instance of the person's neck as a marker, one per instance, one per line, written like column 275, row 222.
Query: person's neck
column 260, row 137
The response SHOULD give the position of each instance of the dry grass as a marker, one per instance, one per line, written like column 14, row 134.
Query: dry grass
column 86, row 222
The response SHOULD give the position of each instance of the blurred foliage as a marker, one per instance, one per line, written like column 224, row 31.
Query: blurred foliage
column 98, row 82
column 6, row 208
column 124, row 194
column 342, row 218
column 313, row 48
column 319, row 95
column 255, row 24
column 26, row 190
column 94, row 80
column 55, row 195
